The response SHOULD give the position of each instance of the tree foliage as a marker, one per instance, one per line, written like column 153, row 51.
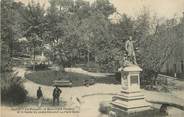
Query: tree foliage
column 76, row 31
column 10, row 30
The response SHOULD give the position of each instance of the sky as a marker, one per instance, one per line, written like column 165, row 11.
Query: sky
column 160, row 8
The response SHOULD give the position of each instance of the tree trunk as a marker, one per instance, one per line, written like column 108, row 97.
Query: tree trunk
column 34, row 57
column 88, row 58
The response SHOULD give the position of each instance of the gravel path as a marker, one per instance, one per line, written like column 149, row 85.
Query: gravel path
column 89, row 107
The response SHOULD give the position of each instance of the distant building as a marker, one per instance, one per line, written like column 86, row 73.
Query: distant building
column 174, row 66
column 40, row 59
column 115, row 18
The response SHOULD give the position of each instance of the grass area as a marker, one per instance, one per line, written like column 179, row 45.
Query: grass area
column 47, row 77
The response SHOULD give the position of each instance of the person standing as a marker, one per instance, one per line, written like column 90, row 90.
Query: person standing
column 39, row 96
column 56, row 95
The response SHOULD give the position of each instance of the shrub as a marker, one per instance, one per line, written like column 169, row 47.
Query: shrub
column 12, row 89
column 105, row 107
column 39, row 67
column 148, row 77
column 118, row 76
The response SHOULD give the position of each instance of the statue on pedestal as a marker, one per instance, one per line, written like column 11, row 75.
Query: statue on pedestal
column 130, row 100
column 129, row 47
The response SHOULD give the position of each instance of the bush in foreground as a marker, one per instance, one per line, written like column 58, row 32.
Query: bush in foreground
column 105, row 107
column 12, row 90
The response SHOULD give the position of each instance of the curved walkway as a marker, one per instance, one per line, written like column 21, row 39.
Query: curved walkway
column 81, row 71
column 94, row 94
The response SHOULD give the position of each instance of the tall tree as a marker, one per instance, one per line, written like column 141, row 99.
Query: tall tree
column 10, row 29
column 34, row 25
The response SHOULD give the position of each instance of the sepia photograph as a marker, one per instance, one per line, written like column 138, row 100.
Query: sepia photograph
column 92, row 58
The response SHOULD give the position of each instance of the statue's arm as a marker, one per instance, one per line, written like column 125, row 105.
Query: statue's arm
column 134, row 42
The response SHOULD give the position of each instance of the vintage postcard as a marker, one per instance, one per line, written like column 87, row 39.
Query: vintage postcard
column 92, row 58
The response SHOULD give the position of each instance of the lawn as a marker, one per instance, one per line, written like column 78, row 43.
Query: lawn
column 47, row 77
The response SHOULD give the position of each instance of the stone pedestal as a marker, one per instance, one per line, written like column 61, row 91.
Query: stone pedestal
column 130, row 99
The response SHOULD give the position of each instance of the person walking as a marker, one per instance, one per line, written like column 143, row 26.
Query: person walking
column 39, row 96
column 56, row 95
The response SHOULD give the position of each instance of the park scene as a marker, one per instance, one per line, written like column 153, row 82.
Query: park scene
column 99, row 58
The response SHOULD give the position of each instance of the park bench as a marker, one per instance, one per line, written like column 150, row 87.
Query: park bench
column 62, row 83
column 164, row 79
column 89, row 82
column 165, row 103
column 163, row 82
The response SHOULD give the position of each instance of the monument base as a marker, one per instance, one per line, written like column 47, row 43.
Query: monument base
column 130, row 100
column 146, row 112
column 129, row 103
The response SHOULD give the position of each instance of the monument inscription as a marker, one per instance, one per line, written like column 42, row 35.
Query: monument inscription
column 134, row 79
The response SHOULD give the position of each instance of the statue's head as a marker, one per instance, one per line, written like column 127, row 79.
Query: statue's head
column 130, row 38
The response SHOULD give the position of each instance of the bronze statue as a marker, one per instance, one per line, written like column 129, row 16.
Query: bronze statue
column 129, row 47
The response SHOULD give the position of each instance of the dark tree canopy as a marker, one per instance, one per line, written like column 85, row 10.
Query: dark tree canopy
column 80, row 31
